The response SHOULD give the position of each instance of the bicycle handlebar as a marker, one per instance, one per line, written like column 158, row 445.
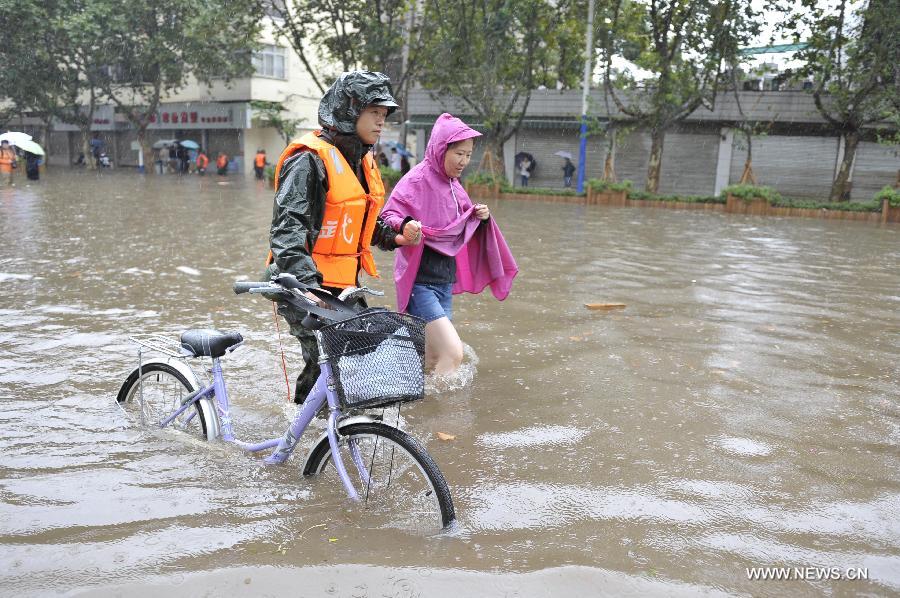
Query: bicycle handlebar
column 287, row 288
column 242, row 286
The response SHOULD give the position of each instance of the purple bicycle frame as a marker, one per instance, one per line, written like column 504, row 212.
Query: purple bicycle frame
column 284, row 446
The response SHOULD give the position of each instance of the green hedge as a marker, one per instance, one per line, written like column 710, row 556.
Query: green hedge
column 269, row 174
column 599, row 186
column 541, row 191
column 389, row 175
column 775, row 199
column 749, row 192
column 644, row 196
column 890, row 194
column 836, row 206
column 486, row 178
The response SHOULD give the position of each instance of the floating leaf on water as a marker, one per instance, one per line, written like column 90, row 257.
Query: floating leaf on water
column 604, row 306
column 445, row 436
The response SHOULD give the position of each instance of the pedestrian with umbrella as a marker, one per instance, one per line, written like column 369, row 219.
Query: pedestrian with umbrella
column 32, row 153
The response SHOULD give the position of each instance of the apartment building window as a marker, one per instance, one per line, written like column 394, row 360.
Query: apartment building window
column 271, row 61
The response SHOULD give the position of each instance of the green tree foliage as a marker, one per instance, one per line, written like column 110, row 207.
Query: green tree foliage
column 51, row 68
column 686, row 46
column 155, row 48
column 380, row 35
column 270, row 114
column 853, row 58
column 491, row 54
column 68, row 55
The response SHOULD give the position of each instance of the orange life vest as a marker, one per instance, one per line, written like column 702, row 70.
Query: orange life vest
column 260, row 160
column 7, row 157
column 343, row 245
column 222, row 161
column 202, row 160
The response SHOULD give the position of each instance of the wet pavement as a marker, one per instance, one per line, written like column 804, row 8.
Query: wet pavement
column 743, row 410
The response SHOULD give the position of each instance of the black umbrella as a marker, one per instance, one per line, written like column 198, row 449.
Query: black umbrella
column 521, row 156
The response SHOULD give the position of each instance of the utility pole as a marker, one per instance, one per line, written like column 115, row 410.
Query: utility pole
column 404, row 66
column 585, row 91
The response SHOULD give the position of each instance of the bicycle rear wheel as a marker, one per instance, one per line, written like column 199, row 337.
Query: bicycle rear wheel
column 392, row 473
column 155, row 392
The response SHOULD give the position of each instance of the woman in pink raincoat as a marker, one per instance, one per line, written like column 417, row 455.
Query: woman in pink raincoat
column 457, row 246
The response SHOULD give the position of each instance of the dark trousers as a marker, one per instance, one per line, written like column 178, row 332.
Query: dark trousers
column 259, row 171
column 308, row 345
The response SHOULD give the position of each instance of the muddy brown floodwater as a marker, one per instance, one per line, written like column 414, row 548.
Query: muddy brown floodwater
column 742, row 410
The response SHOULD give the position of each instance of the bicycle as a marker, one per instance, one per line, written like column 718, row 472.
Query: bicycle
column 369, row 358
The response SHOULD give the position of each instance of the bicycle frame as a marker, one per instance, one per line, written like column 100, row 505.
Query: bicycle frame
column 322, row 391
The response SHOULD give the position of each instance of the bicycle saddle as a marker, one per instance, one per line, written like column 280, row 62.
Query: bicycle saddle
column 209, row 343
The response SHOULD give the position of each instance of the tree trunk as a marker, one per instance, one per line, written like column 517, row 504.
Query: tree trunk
column 149, row 166
column 86, row 146
column 609, row 165
column 840, row 188
column 48, row 129
column 653, row 169
column 492, row 160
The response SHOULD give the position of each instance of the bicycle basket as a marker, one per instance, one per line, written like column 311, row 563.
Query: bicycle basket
column 377, row 358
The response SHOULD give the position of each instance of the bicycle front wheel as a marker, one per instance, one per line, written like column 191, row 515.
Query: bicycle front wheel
column 392, row 473
column 155, row 392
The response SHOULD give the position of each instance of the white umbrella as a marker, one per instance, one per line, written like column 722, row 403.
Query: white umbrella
column 30, row 146
column 164, row 143
column 563, row 154
column 13, row 137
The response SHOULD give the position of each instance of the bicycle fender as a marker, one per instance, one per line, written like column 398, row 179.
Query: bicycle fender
column 183, row 369
column 347, row 421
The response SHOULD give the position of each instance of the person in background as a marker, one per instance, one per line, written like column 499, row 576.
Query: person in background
column 7, row 162
column 222, row 163
column 96, row 148
column 328, row 193
column 183, row 159
column 259, row 163
column 160, row 158
column 395, row 159
column 32, row 166
column 173, row 159
column 382, row 160
column 456, row 247
column 202, row 163
column 568, row 170
column 524, row 171
column 404, row 165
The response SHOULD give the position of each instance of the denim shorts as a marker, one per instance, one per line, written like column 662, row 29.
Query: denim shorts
column 431, row 301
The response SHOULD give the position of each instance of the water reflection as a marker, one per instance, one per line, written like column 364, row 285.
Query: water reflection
column 742, row 410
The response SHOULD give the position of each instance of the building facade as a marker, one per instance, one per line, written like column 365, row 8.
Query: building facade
column 798, row 156
column 219, row 117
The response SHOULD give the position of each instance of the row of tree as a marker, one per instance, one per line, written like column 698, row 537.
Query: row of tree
column 60, row 59
column 488, row 54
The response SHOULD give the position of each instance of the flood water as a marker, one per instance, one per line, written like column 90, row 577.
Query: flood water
column 743, row 410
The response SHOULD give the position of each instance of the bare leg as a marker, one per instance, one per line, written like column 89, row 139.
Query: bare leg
column 443, row 347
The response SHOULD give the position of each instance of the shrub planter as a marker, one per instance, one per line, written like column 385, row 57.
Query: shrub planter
column 481, row 191
column 543, row 197
column 888, row 212
column 607, row 198
column 757, row 206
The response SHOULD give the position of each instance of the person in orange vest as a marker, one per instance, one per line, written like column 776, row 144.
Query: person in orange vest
column 202, row 163
column 222, row 163
column 259, row 163
column 7, row 162
column 328, row 195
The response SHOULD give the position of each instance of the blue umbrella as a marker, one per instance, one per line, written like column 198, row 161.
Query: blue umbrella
column 399, row 147
column 189, row 144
